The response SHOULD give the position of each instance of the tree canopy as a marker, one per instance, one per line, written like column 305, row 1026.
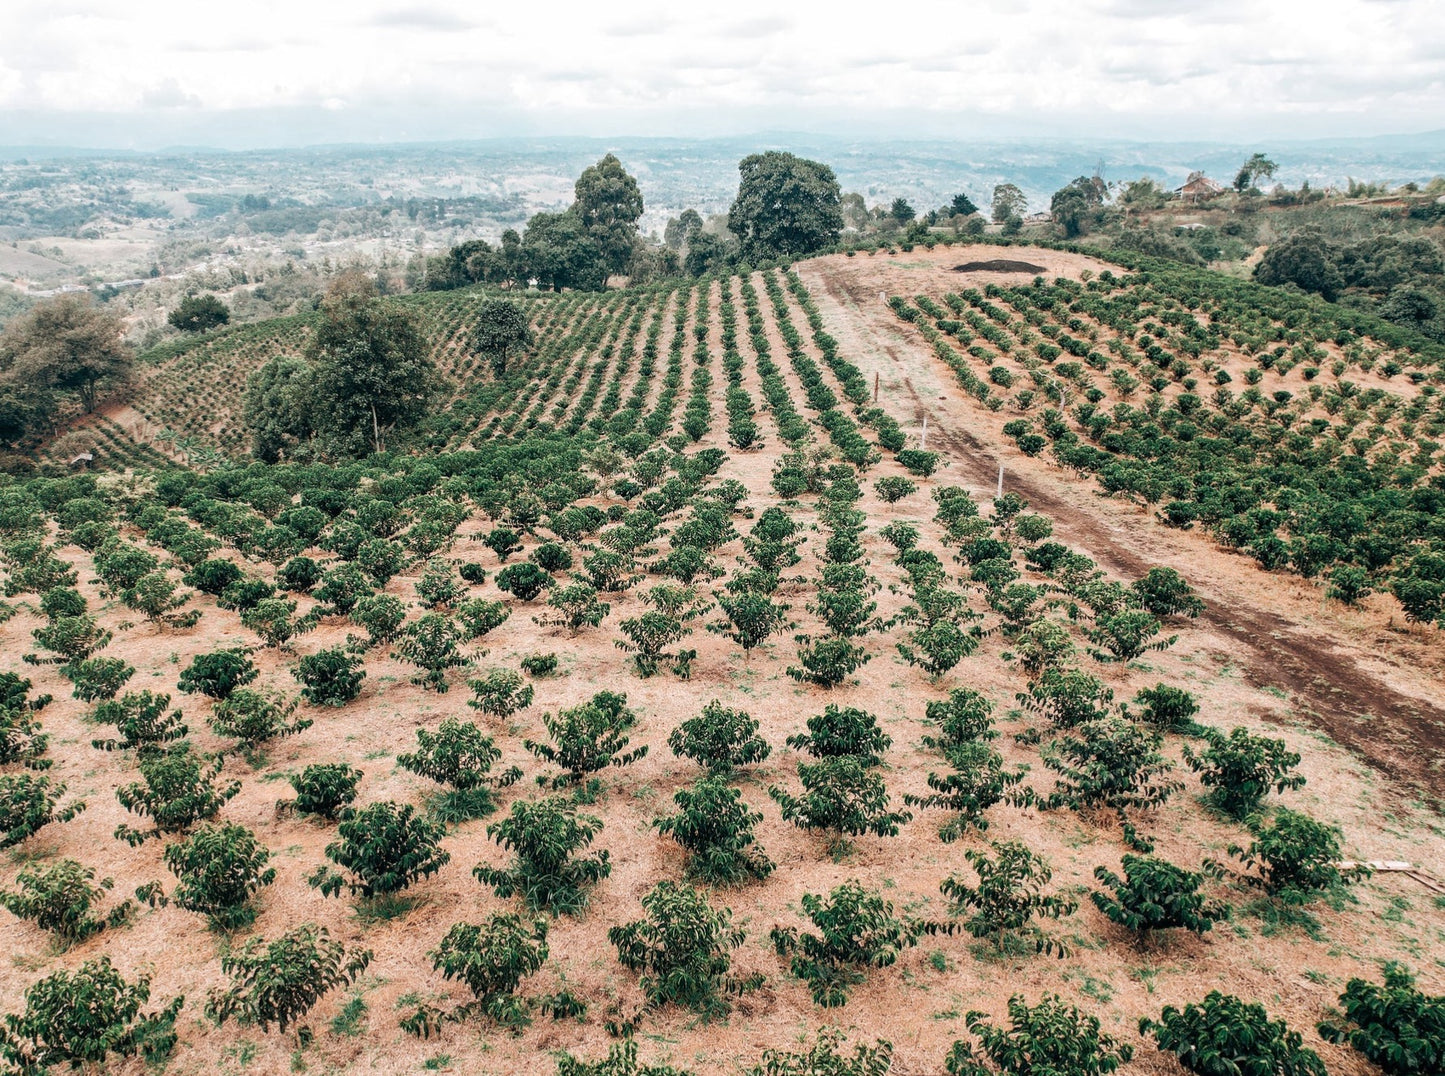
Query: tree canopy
column 786, row 205
column 609, row 205
column 197, row 313
column 502, row 329
column 62, row 347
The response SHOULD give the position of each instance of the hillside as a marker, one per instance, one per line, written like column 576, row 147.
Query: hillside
column 692, row 436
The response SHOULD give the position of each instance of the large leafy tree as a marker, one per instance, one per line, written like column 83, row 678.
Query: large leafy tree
column 609, row 204
column 786, row 205
column 197, row 313
column 1258, row 167
column 1008, row 201
column 559, row 252
column 502, row 330
column 63, row 346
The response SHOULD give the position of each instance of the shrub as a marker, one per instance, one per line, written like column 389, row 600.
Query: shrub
column 751, row 618
column 1223, row 1033
column 977, row 782
column 588, row 738
column 256, row 717
column 826, row 1058
column 341, row 588
column 502, row 541
column 1154, row 895
column 27, row 804
column 964, row 717
column 385, row 848
column 62, row 601
column 460, row 755
column 218, row 673
column 1050, row 1037
column 275, row 622
column 1169, row 709
column 1164, row 592
column 716, row 827
column 214, row 576
column 330, row 677
column 219, row 869
column 843, row 797
column 143, row 720
column 500, row 693
column 21, row 741
column 84, row 1017
column 1109, row 763
column 827, row 662
column 245, row 594
column 177, row 789
column 72, row 638
column 492, row 959
column 1008, row 897
column 1042, row 645
column 431, row 644
column 843, row 731
column 856, row 929
column 1395, row 1026
column 918, row 462
column 479, row 616
column 545, row 838
column 380, row 615
column 299, row 575
column 473, row 573
column 1241, row 768
column 681, row 948
column 1126, row 635
column 324, row 788
column 720, row 739
column 1295, row 858
column 621, row 1060
column 62, row 899
column 894, row 488
column 524, row 581
column 539, row 665
column 552, row 557
column 281, row 981
column 438, row 584
column 98, row 678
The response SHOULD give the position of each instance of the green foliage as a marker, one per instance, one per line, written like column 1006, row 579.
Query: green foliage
column 324, row 788
column 716, row 827
column 894, row 488
column 27, row 804
column 177, row 789
column 219, row 868
column 255, row 717
column 978, row 781
column 1395, row 1026
column 1164, row 592
column 720, row 739
column 62, row 899
column 143, row 720
column 431, row 643
column 751, row 618
column 199, row 313
column 827, row 662
column 502, row 331
column 500, row 693
column 1223, row 1034
column 681, row 948
column 275, row 622
column 523, row 581
column 574, row 606
column 503, row 541
column 385, row 847
column 1294, row 858
column 1109, row 763
column 588, row 738
column 98, row 678
column 1008, row 897
column 330, row 677
column 1154, row 895
column 85, row 1017
column 1046, row 1039
column 964, row 717
column 826, row 1058
column 786, row 206
column 299, row 575
column 547, row 871
column 621, row 1060
column 843, row 731
column 72, row 638
column 281, row 981
column 538, row 665
column 856, row 930
column 218, row 673
column 843, row 796
column 1044, row 644
column 381, row 615
column 461, row 756
column 1126, row 635
column 21, row 740
column 1242, row 768
column 492, row 959
column 1167, row 708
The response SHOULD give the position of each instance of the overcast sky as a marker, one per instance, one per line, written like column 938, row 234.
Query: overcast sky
column 283, row 72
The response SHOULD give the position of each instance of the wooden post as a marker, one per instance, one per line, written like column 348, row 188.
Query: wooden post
column 1000, row 479
column 923, row 439
column 875, row 386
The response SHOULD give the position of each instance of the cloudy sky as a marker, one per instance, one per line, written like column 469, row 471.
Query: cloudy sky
column 266, row 72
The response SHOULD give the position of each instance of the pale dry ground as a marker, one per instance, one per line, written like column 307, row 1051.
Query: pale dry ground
column 915, row 1005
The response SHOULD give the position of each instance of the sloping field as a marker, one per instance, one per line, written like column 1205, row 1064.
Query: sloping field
column 676, row 474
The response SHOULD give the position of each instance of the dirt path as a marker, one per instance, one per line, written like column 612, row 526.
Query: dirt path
column 1380, row 708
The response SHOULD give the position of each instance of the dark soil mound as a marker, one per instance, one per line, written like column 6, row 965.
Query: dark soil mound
column 999, row 265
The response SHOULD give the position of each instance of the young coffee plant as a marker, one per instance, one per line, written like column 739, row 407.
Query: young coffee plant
column 63, row 898
column 384, row 848
column 1167, row 708
column 341, row 588
column 1294, row 858
column 219, row 868
column 1240, row 769
column 649, row 636
column 154, row 597
column 751, row 618
column 843, row 731
column 27, row 804
column 621, row 1060
column 274, row 620
column 1127, row 635
column 965, row 717
column 87, row 1017
column 254, row 718
column 218, row 673
column 826, row 1057
column 938, row 646
column 1395, row 1026
column 843, row 797
column 716, row 827
column 22, row 743
column 574, row 607
column 588, row 738
column 502, row 541
column 855, row 930
column 1153, row 896
column 281, row 981
column 1009, row 896
column 177, row 789
column 380, row 616
column 827, row 662
column 492, row 959
column 1067, row 697
column 330, row 677
column 461, row 756
column 1044, row 644
column 682, row 948
column 720, row 739
column 1049, row 1038
column 324, row 789
column 978, row 782
column 70, row 639
column 893, row 488
column 1109, row 764
column 96, row 679
column 478, row 616
column 145, row 722
column 546, row 838
column 1164, row 592
column 523, row 581
column 1223, row 1033
column 432, row 645
column 500, row 693
column 438, row 585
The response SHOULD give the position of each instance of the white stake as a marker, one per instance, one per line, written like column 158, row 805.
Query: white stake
column 923, row 439
column 1000, row 480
